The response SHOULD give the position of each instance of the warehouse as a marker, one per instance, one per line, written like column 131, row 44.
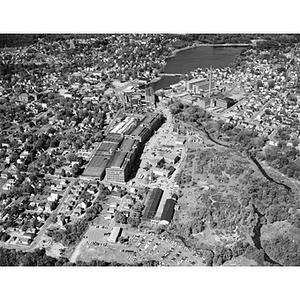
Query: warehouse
column 115, row 233
column 152, row 203
column 168, row 211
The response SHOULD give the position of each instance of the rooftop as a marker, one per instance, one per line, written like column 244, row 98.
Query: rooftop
column 128, row 144
column 140, row 131
column 96, row 166
column 120, row 159
column 107, row 148
column 113, row 137
column 168, row 211
column 152, row 203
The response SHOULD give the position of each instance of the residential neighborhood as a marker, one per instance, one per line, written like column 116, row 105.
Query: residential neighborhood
column 97, row 164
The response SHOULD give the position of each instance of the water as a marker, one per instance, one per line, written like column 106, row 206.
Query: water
column 191, row 59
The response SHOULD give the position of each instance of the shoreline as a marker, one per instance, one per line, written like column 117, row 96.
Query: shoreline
column 195, row 45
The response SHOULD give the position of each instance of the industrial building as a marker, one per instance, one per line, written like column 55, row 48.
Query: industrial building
column 96, row 167
column 114, row 138
column 115, row 233
column 224, row 102
column 125, row 126
column 152, row 203
column 204, row 102
column 149, row 96
column 152, row 122
column 129, row 144
column 199, row 85
column 119, row 167
column 132, row 146
column 107, row 149
column 140, row 133
column 168, row 211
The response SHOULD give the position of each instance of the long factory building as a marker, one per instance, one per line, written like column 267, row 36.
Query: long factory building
column 120, row 147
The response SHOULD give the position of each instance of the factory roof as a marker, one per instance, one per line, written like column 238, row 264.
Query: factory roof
column 106, row 148
column 152, row 203
column 128, row 144
column 149, row 119
column 168, row 210
column 140, row 131
column 114, row 234
column 96, row 166
column 120, row 159
column 113, row 137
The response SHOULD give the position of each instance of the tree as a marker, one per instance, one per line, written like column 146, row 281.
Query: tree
column 133, row 221
column 120, row 217
column 71, row 157
column 76, row 170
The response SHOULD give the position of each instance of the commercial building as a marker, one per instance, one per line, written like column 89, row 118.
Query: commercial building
column 168, row 211
column 152, row 203
column 115, row 233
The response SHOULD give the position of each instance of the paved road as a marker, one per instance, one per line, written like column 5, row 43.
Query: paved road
column 48, row 221
column 261, row 110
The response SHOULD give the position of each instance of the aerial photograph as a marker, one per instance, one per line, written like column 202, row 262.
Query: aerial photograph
column 149, row 149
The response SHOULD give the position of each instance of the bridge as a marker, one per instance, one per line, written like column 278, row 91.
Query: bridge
column 168, row 74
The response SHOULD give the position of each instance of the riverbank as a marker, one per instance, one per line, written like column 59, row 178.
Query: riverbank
column 207, row 45
column 189, row 58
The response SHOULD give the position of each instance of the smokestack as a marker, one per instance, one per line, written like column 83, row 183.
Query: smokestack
column 210, row 76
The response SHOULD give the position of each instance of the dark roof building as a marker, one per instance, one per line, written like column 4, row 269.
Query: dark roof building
column 129, row 144
column 106, row 149
column 140, row 133
column 168, row 211
column 96, row 167
column 152, row 203
column 114, row 138
column 152, row 122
